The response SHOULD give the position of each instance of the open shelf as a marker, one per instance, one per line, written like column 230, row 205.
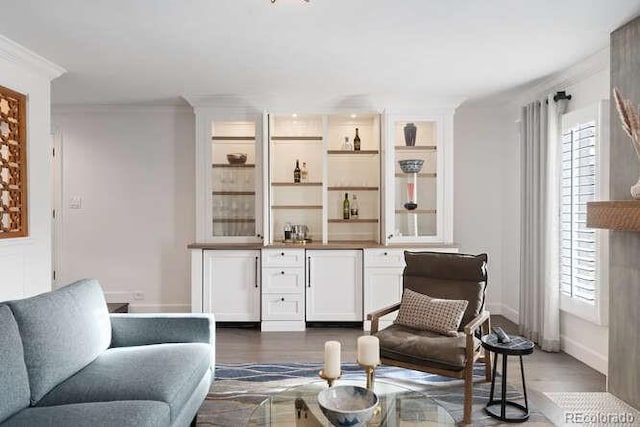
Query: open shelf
column 420, row 175
column 233, row 138
column 351, row 152
column 233, row 220
column 296, row 207
column 416, row 211
column 296, row 184
column 352, row 188
column 227, row 165
column 623, row 215
column 416, row 148
column 234, row 193
column 296, row 138
column 353, row 221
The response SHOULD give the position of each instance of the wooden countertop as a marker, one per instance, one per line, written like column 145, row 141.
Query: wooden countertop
column 314, row 245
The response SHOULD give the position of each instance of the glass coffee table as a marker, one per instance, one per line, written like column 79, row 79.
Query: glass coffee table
column 399, row 406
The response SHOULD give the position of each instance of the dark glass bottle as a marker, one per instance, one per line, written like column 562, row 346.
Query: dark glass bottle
column 345, row 206
column 296, row 172
column 356, row 141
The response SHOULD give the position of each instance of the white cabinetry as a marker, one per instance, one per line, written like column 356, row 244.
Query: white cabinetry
column 283, row 282
column 382, row 282
column 418, row 202
column 231, row 285
column 334, row 285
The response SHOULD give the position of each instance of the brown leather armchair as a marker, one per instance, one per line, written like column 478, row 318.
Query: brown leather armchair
column 446, row 276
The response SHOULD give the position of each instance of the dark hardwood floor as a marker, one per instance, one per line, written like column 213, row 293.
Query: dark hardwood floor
column 544, row 372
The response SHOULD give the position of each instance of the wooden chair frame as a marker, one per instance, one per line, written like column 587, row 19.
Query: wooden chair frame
column 482, row 322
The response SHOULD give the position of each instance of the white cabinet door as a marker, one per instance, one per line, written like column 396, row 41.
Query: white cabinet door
column 382, row 288
column 334, row 285
column 232, row 285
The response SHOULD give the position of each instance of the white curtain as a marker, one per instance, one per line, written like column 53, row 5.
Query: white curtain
column 539, row 251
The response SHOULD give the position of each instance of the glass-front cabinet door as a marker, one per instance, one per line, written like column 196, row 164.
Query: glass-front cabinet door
column 234, row 184
column 417, row 207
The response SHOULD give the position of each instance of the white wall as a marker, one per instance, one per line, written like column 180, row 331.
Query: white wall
column 133, row 169
column 25, row 263
column 486, row 197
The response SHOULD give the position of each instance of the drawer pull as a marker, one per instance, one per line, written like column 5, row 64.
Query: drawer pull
column 386, row 253
column 282, row 272
column 282, row 299
column 281, row 253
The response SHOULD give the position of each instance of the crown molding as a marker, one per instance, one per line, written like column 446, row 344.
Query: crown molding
column 118, row 108
column 575, row 73
column 19, row 55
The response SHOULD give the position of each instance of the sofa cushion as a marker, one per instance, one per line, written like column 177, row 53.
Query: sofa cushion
column 448, row 276
column 132, row 413
column 423, row 348
column 431, row 314
column 62, row 332
column 14, row 382
column 164, row 372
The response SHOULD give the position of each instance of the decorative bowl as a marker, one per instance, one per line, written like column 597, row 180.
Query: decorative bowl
column 237, row 158
column 347, row 405
column 411, row 165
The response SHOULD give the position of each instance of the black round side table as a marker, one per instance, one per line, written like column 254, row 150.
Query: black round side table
column 518, row 346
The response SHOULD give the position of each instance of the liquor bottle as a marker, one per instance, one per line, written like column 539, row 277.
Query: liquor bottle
column 296, row 172
column 304, row 173
column 346, row 145
column 356, row 142
column 345, row 206
column 354, row 207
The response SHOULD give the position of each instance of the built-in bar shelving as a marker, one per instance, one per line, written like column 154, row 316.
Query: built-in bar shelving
column 234, row 193
column 296, row 138
column 416, row 211
column 352, row 188
column 296, row 207
column 349, row 152
column 233, row 138
column 354, row 221
column 233, row 220
column 296, row 184
column 227, row 165
column 419, row 175
column 416, row 148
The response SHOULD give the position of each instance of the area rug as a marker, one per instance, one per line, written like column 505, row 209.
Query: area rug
column 594, row 409
column 240, row 388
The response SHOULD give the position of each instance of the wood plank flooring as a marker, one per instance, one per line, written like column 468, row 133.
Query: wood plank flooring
column 544, row 372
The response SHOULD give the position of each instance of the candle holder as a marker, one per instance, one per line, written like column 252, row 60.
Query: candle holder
column 370, row 371
column 329, row 380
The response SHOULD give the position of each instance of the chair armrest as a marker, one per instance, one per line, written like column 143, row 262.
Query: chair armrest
column 476, row 322
column 143, row 329
column 376, row 315
column 383, row 311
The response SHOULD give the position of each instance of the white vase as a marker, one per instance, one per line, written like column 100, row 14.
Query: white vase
column 635, row 190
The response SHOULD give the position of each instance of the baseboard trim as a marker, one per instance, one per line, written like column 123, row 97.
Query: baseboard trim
column 282, row 325
column 511, row 314
column 597, row 361
column 160, row 308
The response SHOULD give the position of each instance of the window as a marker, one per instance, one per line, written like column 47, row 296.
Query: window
column 583, row 178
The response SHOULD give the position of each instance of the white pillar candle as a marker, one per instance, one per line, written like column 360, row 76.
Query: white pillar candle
column 368, row 350
column 332, row 359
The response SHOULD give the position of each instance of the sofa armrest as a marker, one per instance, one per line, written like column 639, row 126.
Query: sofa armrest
column 128, row 330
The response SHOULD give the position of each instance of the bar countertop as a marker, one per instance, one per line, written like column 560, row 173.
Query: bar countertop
column 320, row 245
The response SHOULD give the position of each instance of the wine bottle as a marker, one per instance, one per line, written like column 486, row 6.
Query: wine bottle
column 345, row 206
column 304, row 173
column 354, row 207
column 296, row 172
column 356, row 141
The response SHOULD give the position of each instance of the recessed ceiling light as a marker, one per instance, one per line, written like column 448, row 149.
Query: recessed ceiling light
column 353, row 116
column 294, row 115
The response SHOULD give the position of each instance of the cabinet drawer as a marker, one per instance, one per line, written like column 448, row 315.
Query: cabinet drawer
column 284, row 280
column 282, row 307
column 384, row 258
column 283, row 257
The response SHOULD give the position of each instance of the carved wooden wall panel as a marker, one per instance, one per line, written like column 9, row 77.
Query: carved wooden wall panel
column 13, row 164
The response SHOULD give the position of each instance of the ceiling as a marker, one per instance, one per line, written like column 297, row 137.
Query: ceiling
column 332, row 51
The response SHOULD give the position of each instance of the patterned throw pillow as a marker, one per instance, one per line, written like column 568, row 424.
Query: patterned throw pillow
column 420, row 311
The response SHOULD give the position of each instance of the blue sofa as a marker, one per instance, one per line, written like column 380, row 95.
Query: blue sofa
column 65, row 361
